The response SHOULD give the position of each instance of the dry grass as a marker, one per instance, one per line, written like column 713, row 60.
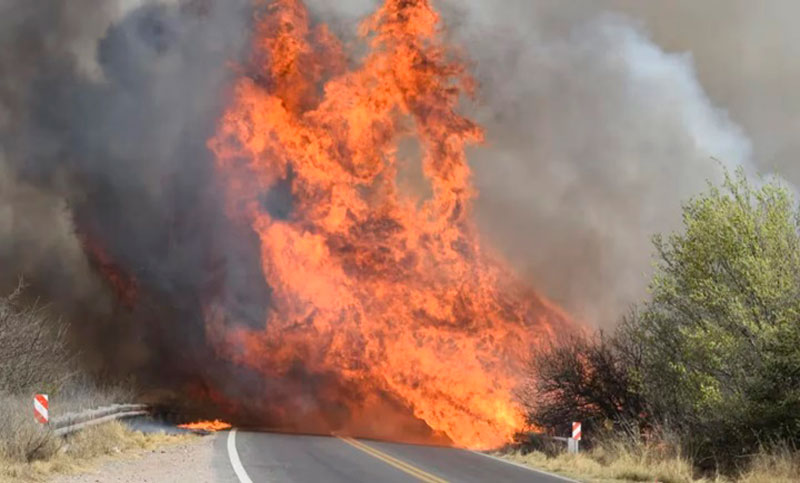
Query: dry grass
column 611, row 465
column 779, row 466
column 621, row 461
column 80, row 394
column 82, row 450
column 23, row 439
column 28, row 452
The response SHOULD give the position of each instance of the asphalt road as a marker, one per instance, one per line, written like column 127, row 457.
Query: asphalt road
column 273, row 457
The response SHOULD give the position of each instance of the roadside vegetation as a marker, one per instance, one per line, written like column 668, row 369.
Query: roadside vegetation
column 81, row 451
column 702, row 380
column 627, row 460
column 36, row 357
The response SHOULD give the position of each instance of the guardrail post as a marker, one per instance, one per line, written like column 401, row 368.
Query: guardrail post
column 572, row 446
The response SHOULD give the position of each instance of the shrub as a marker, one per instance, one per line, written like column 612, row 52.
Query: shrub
column 715, row 353
column 33, row 346
column 21, row 437
column 35, row 357
column 588, row 379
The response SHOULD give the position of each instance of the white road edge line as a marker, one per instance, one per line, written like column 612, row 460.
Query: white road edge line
column 235, row 461
column 526, row 467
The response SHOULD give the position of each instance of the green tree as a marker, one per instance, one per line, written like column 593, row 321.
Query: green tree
column 722, row 328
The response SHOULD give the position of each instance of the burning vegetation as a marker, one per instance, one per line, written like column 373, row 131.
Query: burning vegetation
column 380, row 298
column 215, row 425
column 292, row 244
column 289, row 243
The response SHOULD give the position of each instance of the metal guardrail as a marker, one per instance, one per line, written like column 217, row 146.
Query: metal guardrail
column 556, row 438
column 572, row 444
column 547, row 436
column 70, row 423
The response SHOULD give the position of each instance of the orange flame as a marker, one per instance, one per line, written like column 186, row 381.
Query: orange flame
column 391, row 292
column 215, row 425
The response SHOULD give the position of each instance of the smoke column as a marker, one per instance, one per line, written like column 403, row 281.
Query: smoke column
column 105, row 108
column 597, row 133
column 596, row 136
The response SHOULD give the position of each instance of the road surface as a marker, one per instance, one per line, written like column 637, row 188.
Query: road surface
column 273, row 457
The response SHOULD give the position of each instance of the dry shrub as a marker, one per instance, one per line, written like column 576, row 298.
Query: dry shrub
column 35, row 357
column 22, row 439
column 81, row 393
column 77, row 452
column 33, row 346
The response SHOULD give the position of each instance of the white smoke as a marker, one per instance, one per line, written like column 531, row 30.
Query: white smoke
column 595, row 139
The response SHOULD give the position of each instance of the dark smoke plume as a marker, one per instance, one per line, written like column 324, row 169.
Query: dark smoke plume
column 108, row 206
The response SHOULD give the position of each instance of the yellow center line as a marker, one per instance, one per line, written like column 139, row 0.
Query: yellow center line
column 390, row 460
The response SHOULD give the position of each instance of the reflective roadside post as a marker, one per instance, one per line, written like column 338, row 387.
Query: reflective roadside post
column 41, row 408
column 573, row 442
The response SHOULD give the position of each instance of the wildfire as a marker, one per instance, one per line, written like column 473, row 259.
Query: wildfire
column 125, row 287
column 215, row 425
column 390, row 292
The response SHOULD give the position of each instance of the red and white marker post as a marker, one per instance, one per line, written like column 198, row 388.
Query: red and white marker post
column 572, row 443
column 41, row 408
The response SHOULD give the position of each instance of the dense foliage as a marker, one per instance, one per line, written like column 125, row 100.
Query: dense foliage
column 714, row 354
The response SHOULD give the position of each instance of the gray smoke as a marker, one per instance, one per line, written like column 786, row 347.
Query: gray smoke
column 105, row 109
column 747, row 57
column 603, row 116
column 36, row 232
column 598, row 132
column 596, row 135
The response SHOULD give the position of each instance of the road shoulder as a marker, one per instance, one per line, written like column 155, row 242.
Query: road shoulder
column 190, row 460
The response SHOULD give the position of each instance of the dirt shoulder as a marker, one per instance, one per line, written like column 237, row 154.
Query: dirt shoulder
column 92, row 449
column 189, row 460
